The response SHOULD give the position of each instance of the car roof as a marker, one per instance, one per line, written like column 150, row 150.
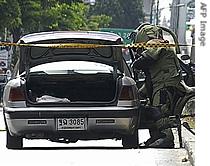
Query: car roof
column 53, row 35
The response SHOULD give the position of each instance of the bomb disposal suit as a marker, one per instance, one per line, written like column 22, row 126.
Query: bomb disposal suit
column 163, row 76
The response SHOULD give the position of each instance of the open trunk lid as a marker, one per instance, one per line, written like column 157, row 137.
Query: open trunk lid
column 33, row 56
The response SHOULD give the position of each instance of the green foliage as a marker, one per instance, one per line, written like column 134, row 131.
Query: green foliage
column 56, row 17
column 124, row 13
column 10, row 14
column 97, row 21
column 30, row 14
column 63, row 16
column 26, row 16
column 78, row 16
column 69, row 1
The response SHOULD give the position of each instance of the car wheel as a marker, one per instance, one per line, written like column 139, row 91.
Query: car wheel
column 14, row 142
column 131, row 141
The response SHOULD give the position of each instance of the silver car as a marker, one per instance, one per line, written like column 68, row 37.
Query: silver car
column 70, row 94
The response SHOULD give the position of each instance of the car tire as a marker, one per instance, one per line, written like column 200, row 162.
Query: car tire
column 131, row 141
column 14, row 142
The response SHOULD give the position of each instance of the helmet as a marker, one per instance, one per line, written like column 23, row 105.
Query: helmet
column 148, row 32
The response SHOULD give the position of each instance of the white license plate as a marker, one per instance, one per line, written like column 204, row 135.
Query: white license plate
column 71, row 124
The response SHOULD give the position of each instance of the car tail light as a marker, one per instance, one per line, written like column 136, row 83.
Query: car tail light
column 16, row 94
column 126, row 93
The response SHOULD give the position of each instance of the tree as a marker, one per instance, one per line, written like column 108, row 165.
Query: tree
column 74, row 16
column 26, row 16
column 70, row 1
column 124, row 13
column 111, row 8
column 10, row 14
column 97, row 21
column 30, row 14
column 133, row 13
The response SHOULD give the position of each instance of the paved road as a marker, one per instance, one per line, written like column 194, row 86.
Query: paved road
column 103, row 153
column 85, row 153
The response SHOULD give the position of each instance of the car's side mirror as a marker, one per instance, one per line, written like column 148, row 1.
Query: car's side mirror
column 185, row 57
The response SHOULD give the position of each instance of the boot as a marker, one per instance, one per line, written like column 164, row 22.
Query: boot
column 161, row 143
column 163, row 139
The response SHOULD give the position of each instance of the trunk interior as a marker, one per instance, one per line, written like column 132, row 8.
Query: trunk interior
column 71, row 88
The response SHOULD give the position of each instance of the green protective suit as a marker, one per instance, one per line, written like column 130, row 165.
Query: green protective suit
column 162, row 70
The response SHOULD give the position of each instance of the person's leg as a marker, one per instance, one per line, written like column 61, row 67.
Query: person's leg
column 161, row 135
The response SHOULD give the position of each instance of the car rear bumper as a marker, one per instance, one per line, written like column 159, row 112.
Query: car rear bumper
column 104, row 122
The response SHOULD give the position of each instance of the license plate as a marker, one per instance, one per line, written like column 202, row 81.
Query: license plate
column 71, row 124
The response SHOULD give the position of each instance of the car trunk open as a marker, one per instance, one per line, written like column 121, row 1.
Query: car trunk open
column 71, row 89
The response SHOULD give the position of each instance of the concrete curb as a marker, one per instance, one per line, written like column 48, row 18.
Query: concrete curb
column 189, row 144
